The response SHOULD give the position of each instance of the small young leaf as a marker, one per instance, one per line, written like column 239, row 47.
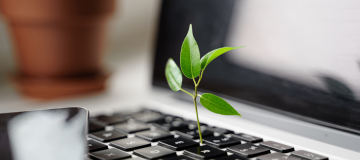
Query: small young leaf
column 217, row 105
column 173, row 75
column 190, row 56
column 207, row 58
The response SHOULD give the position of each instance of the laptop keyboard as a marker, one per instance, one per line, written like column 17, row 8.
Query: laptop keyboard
column 149, row 134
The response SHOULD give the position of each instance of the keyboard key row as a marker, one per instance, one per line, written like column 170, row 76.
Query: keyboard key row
column 96, row 146
column 154, row 135
column 130, row 144
column 220, row 130
column 248, row 150
column 178, row 144
column 107, row 136
column 109, row 120
column 176, row 158
column 204, row 152
column 110, row 154
column 147, row 116
column 221, row 141
column 154, row 152
column 95, row 126
column 247, row 137
column 277, row 146
column 308, row 155
column 231, row 157
column 170, row 126
column 194, row 133
column 277, row 156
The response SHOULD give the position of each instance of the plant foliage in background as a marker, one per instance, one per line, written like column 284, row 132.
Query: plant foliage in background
column 192, row 67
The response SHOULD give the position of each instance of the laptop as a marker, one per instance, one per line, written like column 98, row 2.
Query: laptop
column 294, row 104
column 291, row 99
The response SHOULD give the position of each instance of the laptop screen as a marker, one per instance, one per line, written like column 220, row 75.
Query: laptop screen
column 302, row 58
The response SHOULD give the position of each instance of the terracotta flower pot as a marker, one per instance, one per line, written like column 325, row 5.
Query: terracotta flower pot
column 58, row 44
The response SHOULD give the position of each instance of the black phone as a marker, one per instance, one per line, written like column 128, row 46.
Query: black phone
column 5, row 119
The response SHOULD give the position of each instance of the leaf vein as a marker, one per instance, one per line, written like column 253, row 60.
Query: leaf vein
column 191, row 67
column 173, row 79
column 217, row 105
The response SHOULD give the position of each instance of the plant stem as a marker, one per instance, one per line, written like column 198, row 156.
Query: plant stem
column 186, row 92
column 197, row 115
column 200, row 77
column 194, row 97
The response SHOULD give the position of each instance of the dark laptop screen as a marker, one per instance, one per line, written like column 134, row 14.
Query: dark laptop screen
column 299, row 60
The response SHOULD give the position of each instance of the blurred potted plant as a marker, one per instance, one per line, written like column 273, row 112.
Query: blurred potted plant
column 58, row 44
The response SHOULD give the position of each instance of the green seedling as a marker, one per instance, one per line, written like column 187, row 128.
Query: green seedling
column 192, row 67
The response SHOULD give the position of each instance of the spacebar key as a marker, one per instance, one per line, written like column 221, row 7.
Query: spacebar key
column 308, row 155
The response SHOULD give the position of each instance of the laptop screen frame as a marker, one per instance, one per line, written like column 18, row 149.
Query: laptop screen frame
column 169, row 38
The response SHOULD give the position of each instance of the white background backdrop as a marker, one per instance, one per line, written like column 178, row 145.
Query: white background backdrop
column 300, row 40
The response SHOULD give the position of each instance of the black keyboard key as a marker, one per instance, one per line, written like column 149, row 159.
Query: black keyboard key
column 247, row 138
column 170, row 118
column 177, row 158
column 221, row 141
column 178, row 144
column 231, row 157
column 308, row 155
column 154, row 152
column 277, row 146
column 194, row 123
column 194, row 133
column 220, row 130
column 277, row 156
column 109, row 120
column 95, row 126
column 147, row 116
column 107, row 136
column 204, row 152
column 124, row 114
column 110, row 154
column 154, row 135
column 130, row 144
column 95, row 146
column 131, row 127
column 170, row 126
column 248, row 150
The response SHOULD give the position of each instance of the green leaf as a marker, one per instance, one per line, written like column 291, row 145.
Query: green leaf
column 173, row 75
column 207, row 58
column 217, row 105
column 190, row 56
